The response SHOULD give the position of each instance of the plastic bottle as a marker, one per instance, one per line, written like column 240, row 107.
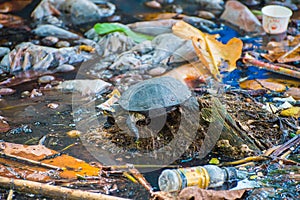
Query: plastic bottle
column 207, row 176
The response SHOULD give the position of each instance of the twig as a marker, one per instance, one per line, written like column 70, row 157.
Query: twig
column 140, row 178
column 30, row 161
column 285, row 161
column 271, row 67
column 246, row 160
column 271, row 150
column 115, row 167
column 68, row 147
column 294, row 142
column 252, row 164
column 10, row 194
column 47, row 190
column 131, row 178
column 286, row 154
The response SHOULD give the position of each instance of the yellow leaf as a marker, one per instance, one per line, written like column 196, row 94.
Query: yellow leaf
column 291, row 112
column 210, row 51
column 250, row 85
column 70, row 167
column 270, row 85
column 214, row 161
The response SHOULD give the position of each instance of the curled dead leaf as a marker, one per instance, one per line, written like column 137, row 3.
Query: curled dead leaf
column 210, row 51
column 284, row 51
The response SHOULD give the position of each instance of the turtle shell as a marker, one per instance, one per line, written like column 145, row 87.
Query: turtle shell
column 154, row 93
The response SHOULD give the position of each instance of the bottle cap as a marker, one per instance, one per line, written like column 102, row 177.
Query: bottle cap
column 169, row 181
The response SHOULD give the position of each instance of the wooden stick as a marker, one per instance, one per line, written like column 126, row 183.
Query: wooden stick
column 115, row 167
column 140, row 177
column 129, row 177
column 47, row 190
column 294, row 142
column 271, row 67
column 10, row 195
column 245, row 160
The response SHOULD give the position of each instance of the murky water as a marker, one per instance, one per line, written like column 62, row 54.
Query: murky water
column 32, row 120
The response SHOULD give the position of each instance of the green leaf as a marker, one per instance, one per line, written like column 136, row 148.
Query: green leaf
column 256, row 12
column 105, row 28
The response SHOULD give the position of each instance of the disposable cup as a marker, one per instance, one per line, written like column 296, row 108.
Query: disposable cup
column 275, row 18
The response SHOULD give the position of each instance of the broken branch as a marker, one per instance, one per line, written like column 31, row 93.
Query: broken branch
column 47, row 190
column 271, row 67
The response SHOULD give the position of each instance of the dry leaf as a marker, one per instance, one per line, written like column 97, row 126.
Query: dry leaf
column 268, row 84
column 70, row 166
column 210, row 51
column 291, row 112
column 290, row 56
column 198, row 193
column 284, row 51
column 294, row 92
column 257, row 84
column 250, row 85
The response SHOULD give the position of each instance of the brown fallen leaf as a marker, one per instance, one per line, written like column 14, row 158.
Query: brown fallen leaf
column 258, row 84
column 199, row 194
column 290, row 56
column 268, row 84
column 284, row 51
column 294, row 92
column 210, row 51
column 160, row 195
column 251, row 85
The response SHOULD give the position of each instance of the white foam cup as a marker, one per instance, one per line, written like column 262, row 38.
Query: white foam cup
column 275, row 18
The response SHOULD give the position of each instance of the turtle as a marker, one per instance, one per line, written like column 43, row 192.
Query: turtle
column 154, row 97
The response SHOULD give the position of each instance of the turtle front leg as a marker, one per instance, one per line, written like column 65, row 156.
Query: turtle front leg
column 131, row 121
column 131, row 124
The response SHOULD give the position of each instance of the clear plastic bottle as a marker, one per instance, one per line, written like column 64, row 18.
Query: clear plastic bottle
column 207, row 176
